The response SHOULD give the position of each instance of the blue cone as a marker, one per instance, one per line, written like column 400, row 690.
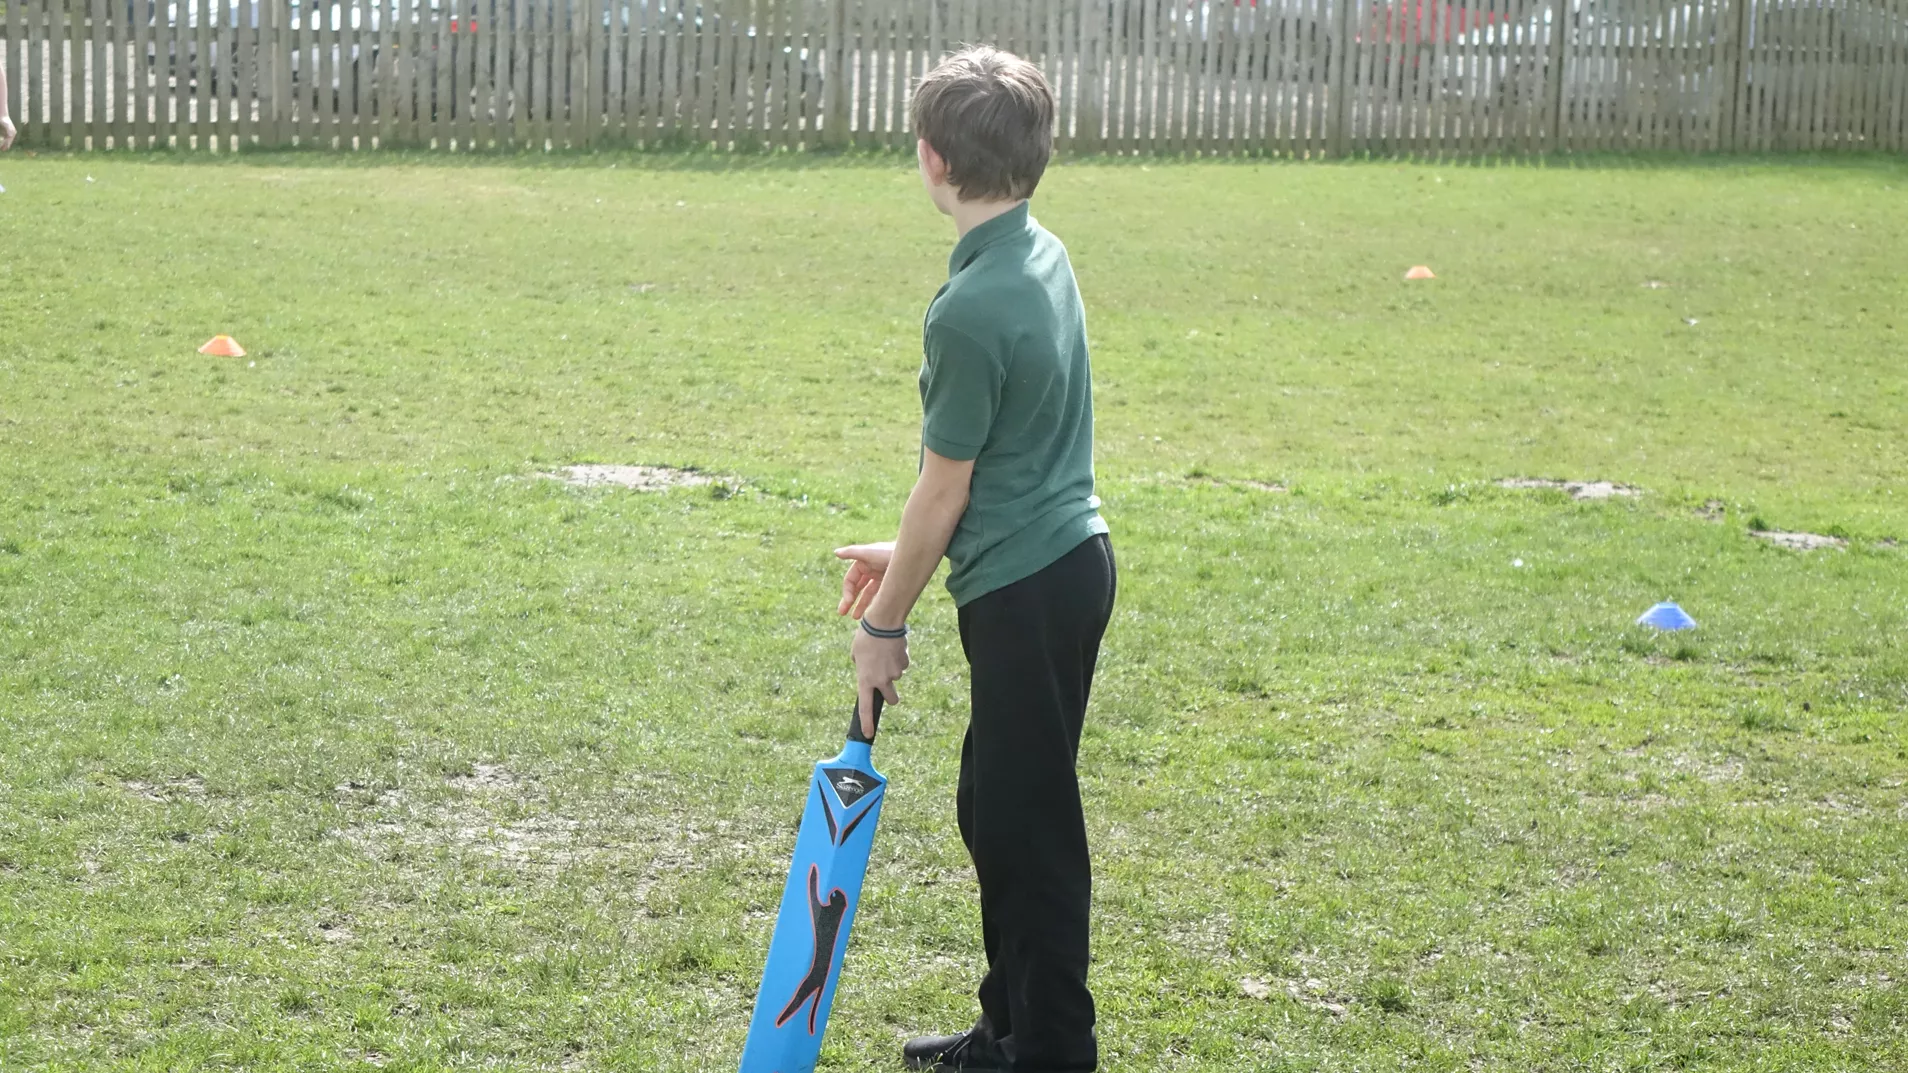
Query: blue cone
column 1667, row 616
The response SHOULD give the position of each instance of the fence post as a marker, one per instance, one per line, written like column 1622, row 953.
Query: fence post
column 835, row 81
column 1729, row 94
column 1341, row 60
column 1554, row 72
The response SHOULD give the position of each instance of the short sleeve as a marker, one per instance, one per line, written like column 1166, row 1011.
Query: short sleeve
column 960, row 393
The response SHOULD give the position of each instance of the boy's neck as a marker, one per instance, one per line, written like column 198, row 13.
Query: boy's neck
column 971, row 214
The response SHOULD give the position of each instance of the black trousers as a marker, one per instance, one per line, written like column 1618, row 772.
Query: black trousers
column 1032, row 647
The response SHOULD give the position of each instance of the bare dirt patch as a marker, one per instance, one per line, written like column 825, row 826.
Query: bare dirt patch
column 639, row 478
column 1711, row 510
column 490, row 811
column 1577, row 489
column 533, row 840
column 189, row 786
column 485, row 820
column 486, row 777
column 1711, row 770
column 1209, row 935
column 1798, row 541
column 1837, row 803
column 1316, row 994
column 530, row 841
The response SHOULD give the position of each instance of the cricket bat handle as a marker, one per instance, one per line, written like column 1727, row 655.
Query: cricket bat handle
column 854, row 724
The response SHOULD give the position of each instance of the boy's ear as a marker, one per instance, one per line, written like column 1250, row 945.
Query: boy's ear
column 933, row 165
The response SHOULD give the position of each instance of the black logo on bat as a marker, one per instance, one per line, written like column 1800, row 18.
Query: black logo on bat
column 827, row 920
column 850, row 785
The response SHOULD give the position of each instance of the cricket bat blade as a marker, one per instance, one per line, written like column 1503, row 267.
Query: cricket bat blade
column 818, row 906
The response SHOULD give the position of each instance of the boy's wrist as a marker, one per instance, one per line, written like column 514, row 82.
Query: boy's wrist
column 879, row 619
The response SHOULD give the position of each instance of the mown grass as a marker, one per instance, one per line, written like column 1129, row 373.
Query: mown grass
column 333, row 735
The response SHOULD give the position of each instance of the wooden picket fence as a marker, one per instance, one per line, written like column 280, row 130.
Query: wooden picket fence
column 1281, row 77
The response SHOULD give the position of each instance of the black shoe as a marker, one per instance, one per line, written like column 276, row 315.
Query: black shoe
column 967, row 1052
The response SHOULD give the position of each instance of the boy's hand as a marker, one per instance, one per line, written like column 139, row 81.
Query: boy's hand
column 7, row 133
column 870, row 563
column 878, row 662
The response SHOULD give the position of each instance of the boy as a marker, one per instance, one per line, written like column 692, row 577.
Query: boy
column 1006, row 493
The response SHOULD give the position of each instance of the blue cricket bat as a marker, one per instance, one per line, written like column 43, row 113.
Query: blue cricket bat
column 818, row 905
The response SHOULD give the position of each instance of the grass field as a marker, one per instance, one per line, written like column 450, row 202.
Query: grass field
column 332, row 735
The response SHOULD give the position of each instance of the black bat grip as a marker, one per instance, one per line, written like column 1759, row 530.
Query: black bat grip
column 854, row 724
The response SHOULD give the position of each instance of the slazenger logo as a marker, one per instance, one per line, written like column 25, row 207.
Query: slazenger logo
column 848, row 784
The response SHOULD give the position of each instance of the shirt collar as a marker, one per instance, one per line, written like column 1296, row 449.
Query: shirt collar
column 1007, row 224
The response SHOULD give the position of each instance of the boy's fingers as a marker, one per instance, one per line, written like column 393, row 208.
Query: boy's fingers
column 862, row 593
column 864, row 553
column 868, row 592
column 888, row 694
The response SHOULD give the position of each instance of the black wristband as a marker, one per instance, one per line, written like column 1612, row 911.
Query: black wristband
column 886, row 635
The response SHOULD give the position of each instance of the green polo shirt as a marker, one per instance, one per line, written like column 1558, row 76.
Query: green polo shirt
column 1005, row 382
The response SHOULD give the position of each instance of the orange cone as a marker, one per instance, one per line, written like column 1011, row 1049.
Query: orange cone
column 1420, row 272
column 223, row 346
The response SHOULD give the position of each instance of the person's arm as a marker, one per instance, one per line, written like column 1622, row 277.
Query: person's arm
column 6, row 117
column 887, row 580
column 960, row 392
column 927, row 524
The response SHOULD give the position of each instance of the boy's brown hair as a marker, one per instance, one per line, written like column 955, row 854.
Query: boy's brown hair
column 990, row 115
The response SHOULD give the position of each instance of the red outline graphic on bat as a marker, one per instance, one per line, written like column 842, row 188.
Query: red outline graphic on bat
column 826, row 917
